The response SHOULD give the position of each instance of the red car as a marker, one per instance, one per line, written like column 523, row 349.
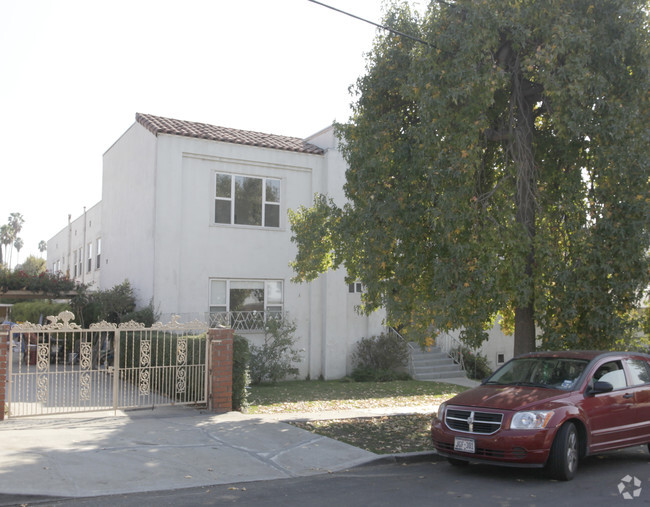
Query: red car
column 549, row 409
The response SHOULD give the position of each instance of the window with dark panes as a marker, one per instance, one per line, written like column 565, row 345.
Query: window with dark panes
column 223, row 199
column 90, row 257
column 246, row 296
column 247, row 200
column 272, row 203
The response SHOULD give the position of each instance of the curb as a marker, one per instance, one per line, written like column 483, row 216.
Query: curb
column 405, row 458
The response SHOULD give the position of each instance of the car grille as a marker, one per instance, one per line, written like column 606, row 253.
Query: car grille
column 470, row 421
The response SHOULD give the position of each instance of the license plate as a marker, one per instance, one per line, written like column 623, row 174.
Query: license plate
column 464, row 445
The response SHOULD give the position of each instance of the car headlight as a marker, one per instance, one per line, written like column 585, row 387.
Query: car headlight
column 441, row 411
column 531, row 420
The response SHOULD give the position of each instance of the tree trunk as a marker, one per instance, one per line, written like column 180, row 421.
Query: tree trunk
column 522, row 118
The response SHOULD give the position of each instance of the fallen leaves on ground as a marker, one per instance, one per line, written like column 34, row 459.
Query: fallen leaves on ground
column 381, row 435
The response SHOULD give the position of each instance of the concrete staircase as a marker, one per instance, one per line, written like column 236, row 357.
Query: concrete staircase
column 433, row 364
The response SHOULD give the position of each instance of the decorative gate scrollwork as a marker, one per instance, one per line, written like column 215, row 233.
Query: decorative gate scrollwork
column 42, row 365
column 145, row 362
column 60, row 368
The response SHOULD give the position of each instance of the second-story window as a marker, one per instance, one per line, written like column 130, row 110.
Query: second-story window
column 247, row 200
column 90, row 257
column 99, row 253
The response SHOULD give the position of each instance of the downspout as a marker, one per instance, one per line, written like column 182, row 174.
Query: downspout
column 83, row 249
column 67, row 271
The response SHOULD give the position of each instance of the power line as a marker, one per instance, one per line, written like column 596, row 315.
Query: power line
column 383, row 27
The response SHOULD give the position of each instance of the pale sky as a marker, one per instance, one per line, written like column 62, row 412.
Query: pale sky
column 75, row 72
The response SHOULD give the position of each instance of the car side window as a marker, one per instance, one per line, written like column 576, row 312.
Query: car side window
column 639, row 371
column 611, row 372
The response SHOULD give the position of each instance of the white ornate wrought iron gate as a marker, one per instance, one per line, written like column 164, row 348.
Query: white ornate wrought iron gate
column 61, row 368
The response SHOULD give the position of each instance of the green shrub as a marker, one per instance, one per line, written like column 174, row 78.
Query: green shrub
column 275, row 359
column 476, row 365
column 147, row 315
column 383, row 352
column 31, row 311
column 366, row 374
column 380, row 358
column 240, row 374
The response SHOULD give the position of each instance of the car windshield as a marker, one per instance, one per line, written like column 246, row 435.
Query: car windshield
column 551, row 372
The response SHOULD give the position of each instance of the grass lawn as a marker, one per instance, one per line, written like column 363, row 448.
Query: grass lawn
column 382, row 435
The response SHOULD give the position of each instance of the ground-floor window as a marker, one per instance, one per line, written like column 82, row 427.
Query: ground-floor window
column 245, row 303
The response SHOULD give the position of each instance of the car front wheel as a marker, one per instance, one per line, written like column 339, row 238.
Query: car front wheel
column 563, row 460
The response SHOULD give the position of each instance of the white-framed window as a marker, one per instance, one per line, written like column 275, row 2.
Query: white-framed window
column 246, row 296
column 247, row 200
column 99, row 253
column 355, row 287
column 74, row 264
column 90, row 257
column 80, row 260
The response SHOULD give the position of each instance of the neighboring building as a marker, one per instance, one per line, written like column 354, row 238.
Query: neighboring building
column 195, row 217
column 76, row 251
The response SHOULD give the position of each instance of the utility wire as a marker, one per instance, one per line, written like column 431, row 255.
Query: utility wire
column 383, row 27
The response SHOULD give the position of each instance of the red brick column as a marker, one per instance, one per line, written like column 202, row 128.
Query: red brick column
column 220, row 370
column 4, row 367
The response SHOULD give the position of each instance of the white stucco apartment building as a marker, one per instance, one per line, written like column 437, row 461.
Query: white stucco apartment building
column 195, row 217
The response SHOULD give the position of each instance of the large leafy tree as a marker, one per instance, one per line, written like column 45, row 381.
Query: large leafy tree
column 500, row 168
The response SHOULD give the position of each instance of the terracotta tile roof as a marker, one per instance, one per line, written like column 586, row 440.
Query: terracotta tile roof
column 159, row 125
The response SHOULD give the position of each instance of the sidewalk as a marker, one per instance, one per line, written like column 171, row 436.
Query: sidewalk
column 167, row 448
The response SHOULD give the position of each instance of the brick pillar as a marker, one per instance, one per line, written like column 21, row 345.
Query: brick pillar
column 220, row 370
column 4, row 367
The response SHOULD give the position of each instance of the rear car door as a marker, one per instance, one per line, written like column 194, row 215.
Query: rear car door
column 639, row 380
column 610, row 415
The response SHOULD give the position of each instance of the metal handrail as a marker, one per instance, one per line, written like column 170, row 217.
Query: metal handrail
column 451, row 346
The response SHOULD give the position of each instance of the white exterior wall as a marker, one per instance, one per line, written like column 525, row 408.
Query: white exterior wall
column 128, row 205
column 157, row 230
column 68, row 252
column 498, row 344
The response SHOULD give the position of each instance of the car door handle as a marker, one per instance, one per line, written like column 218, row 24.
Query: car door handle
column 628, row 395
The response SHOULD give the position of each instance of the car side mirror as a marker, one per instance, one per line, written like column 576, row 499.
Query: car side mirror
column 601, row 387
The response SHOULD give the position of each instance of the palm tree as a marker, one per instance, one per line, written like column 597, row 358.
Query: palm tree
column 18, row 244
column 16, row 222
column 5, row 239
column 42, row 246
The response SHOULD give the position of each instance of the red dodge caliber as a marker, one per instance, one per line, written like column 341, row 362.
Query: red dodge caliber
column 549, row 409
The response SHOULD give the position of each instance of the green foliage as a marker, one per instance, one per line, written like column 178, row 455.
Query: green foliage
column 32, row 311
column 147, row 315
column 639, row 337
column 384, row 352
column 476, row 364
column 380, row 359
column 33, row 266
column 367, row 374
column 240, row 373
column 275, row 359
column 501, row 170
column 115, row 305
column 49, row 284
column 316, row 228
column 9, row 236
